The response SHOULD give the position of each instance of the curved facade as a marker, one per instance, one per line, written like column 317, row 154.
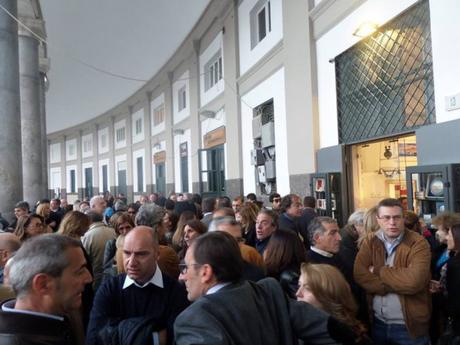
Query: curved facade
column 248, row 103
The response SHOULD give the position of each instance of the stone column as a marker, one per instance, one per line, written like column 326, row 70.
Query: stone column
column 10, row 120
column 31, row 131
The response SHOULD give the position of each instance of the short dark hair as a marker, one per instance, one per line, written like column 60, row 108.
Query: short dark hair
column 169, row 204
column 287, row 201
column 222, row 252
column 208, row 205
column 273, row 196
column 272, row 214
column 23, row 205
column 251, row 196
column 309, row 201
column 389, row 202
column 223, row 201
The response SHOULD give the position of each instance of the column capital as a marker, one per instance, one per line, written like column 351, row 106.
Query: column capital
column 37, row 26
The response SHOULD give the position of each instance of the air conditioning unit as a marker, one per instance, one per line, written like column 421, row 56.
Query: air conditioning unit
column 268, row 134
column 270, row 170
column 257, row 126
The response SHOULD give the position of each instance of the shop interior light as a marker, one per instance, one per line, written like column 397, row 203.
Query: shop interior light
column 365, row 29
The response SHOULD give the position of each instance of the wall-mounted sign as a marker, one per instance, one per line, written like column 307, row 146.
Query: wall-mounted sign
column 159, row 157
column 214, row 138
column 183, row 149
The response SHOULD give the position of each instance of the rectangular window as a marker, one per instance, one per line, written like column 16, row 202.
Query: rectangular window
column 213, row 71
column 73, row 188
column 138, row 126
column 121, row 134
column 261, row 24
column 140, row 174
column 159, row 115
column 71, row 150
column 182, row 99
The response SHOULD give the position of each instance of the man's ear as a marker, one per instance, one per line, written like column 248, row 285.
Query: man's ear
column 317, row 237
column 42, row 283
column 206, row 273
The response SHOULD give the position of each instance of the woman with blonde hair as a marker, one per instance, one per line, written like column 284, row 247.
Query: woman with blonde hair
column 74, row 224
column 29, row 226
column 370, row 224
column 324, row 287
column 122, row 223
column 44, row 211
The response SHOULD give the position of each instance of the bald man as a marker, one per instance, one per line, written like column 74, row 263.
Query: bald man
column 9, row 244
column 143, row 302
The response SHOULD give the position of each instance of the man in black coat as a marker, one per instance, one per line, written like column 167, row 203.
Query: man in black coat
column 48, row 275
column 227, row 310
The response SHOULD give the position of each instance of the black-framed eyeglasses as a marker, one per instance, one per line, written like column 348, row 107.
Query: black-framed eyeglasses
column 183, row 268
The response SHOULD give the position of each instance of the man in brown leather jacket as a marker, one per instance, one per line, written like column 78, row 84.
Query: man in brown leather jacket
column 393, row 266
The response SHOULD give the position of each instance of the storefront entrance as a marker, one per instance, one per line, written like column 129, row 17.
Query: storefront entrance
column 379, row 169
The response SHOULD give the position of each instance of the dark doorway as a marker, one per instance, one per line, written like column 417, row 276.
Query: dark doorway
column 212, row 171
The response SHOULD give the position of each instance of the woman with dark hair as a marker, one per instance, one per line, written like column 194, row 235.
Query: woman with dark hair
column 453, row 281
column 324, row 287
column 248, row 217
column 192, row 229
column 170, row 220
column 178, row 237
column 283, row 256
column 29, row 226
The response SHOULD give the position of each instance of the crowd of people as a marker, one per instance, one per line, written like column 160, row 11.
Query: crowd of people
column 187, row 270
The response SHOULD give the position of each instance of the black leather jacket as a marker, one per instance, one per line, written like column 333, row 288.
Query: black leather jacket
column 18, row 329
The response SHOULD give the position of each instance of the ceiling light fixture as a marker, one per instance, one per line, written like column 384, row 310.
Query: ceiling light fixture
column 365, row 29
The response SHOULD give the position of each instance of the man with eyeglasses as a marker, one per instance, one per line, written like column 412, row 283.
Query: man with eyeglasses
column 393, row 266
column 139, row 306
column 229, row 310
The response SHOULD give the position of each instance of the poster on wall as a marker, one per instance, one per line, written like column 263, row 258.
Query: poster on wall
column 319, row 185
column 407, row 149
